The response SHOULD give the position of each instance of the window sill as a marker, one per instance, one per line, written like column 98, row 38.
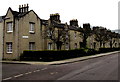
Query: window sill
column 9, row 31
column 9, row 52
column 31, row 32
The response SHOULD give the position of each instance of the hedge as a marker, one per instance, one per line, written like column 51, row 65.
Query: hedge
column 60, row 55
column 55, row 55
column 104, row 50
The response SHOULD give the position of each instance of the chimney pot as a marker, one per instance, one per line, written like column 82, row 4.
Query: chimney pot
column 23, row 8
column 27, row 7
column 19, row 6
column 24, row 5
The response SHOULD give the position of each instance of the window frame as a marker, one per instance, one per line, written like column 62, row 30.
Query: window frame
column 75, row 45
column 31, row 45
column 31, row 27
column 9, row 47
column 50, row 46
column 9, row 27
column 75, row 35
column 67, row 46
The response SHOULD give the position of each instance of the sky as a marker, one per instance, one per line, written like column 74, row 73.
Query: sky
column 96, row 12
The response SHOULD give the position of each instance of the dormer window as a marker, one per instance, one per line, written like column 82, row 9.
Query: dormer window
column 9, row 27
column 32, row 27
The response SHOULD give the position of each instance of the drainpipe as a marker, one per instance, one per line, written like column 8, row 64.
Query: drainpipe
column 3, row 37
column 18, row 53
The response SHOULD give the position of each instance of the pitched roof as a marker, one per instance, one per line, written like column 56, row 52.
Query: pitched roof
column 1, row 18
column 18, row 14
column 44, row 22
column 74, row 28
column 58, row 25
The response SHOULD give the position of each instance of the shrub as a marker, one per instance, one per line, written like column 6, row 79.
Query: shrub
column 104, row 50
column 52, row 55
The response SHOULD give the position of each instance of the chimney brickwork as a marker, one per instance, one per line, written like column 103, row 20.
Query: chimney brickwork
column 74, row 22
column 23, row 8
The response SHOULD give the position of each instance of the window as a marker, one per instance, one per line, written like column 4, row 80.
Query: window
column 115, row 44
column 9, row 47
column 67, row 46
column 94, row 44
column 49, row 46
column 9, row 27
column 75, row 35
column 75, row 45
column 31, row 45
column 32, row 27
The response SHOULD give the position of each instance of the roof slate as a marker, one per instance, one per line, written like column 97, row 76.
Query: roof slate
column 18, row 14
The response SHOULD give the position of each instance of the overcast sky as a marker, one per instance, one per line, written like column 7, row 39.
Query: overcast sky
column 96, row 12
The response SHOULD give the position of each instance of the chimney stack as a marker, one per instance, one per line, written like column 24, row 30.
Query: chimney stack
column 20, row 8
column 74, row 22
column 55, row 17
column 86, row 26
column 23, row 8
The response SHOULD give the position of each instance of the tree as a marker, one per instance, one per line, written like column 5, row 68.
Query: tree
column 101, row 35
column 58, row 35
column 113, row 37
column 85, row 33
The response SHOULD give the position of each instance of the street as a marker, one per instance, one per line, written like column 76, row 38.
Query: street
column 101, row 68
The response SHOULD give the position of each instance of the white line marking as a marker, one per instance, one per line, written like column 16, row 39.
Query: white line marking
column 18, row 75
column 51, row 73
column 44, row 69
column 28, row 73
column 37, row 70
column 34, row 71
column 7, row 78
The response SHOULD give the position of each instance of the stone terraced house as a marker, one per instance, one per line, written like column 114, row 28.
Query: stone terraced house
column 25, row 30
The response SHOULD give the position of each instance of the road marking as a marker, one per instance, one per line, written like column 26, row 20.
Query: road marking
column 51, row 73
column 18, row 75
column 25, row 73
column 44, row 69
column 34, row 71
column 28, row 73
column 37, row 70
column 7, row 78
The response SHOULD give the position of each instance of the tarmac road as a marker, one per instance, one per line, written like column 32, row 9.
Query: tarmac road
column 101, row 68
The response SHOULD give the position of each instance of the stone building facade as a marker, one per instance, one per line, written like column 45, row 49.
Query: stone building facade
column 25, row 30
column 1, row 36
column 21, row 32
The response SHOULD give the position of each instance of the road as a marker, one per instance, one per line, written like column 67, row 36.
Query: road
column 101, row 68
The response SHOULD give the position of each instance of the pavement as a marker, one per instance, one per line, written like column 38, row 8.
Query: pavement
column 61, row 61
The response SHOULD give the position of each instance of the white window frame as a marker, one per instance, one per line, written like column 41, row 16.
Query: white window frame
column 67, row 46
column 75, row 45
column 32, row 27
column 9, row 47
column 9, row 27
column 31, row 45
column 49, row 46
